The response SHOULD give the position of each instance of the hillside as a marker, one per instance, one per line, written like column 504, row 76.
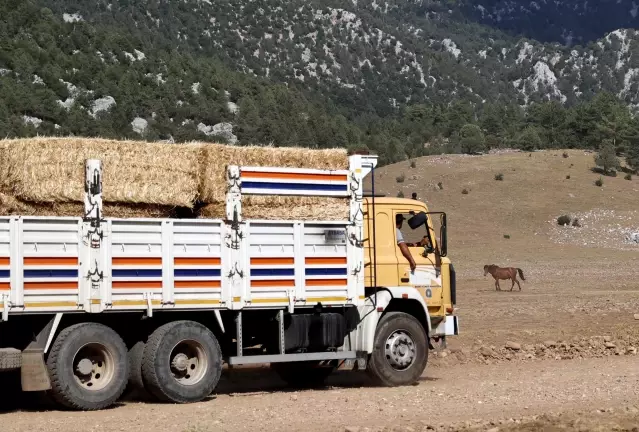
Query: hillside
column 390, row 77
column 569, row 23
column 524, row 205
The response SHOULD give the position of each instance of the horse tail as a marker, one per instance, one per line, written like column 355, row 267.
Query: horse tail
column 521, row 274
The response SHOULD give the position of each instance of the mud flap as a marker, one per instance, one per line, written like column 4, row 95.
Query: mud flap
column 34, row 375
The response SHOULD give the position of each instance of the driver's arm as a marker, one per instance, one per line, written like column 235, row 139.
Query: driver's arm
column 405, row 252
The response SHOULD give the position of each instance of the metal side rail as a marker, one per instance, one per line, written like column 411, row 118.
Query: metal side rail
column 278, row 358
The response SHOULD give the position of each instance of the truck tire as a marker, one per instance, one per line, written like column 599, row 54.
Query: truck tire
column 302, row 374
column 400, row 350
column 10, row 359
column 88, row 367
column 182, row 362
column 135, row 387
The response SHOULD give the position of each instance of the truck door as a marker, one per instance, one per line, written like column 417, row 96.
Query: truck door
column 427, row 276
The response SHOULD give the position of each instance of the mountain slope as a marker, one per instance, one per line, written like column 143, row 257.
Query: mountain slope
column 566, row 22
column 389, row 76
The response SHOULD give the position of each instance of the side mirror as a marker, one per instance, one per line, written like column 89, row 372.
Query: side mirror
column 417, row 220
column 443, row 236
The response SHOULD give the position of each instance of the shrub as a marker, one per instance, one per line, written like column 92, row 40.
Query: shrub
column 413, row 164
column 568, row 177
column 400, row 178
column 499, row 177
column 628, row 176
column 565, row 155
column 400, row 194
column 599, row 182
column 564, row 220
column 576, row 223
column 507, row 236
column 465, row 192
column 440, row 185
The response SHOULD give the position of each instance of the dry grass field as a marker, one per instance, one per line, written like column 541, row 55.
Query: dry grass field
column 561, row 355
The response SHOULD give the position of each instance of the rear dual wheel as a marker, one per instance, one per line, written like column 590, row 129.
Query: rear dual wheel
column 88, row 367
column 182, row 362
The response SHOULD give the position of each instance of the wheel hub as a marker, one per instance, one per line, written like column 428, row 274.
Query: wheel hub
column 94, row 366
column 180, row 362
column 400, row 350
column 85, row 366
column 189, row 362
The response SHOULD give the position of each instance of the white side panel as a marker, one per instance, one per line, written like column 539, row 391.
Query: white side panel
column 48, row 258
column 196, row 265
column 136, row 263
column 272, row 270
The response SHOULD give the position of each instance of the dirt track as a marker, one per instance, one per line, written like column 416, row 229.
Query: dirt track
column 447, row 399
column 559, row 355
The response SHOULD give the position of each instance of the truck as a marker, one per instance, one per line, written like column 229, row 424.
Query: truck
column 91, row 306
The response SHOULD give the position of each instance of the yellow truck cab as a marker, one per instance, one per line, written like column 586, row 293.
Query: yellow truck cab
column 432, row 284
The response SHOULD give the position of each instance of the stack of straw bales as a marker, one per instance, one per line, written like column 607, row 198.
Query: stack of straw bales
column 45, row 176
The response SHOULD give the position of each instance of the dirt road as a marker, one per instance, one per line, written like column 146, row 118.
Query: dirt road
column 458, row 397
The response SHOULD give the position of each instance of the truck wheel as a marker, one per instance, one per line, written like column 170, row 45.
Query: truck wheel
column 182, row 362
column 88, row 367
column 135, row 387
column 302, row 374
column 400, row 351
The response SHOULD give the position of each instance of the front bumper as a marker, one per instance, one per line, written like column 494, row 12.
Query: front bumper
column 449, row 326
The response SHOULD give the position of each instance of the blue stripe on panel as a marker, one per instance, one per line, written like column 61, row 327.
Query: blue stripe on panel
column 325, row 272
column 295, row 186
column 50, row 273
column 137, row 273
column 272, row 272
column 196, row 272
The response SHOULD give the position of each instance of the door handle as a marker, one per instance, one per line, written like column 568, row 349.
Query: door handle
column 405, row 280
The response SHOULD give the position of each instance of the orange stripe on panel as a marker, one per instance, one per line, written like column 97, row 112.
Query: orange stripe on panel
column 272, row 261
column 326, row 282
column 136, row 284
column 293, row 176
column 197, row 284
column 4, row 286
column 5, row 261
column 43, row 261
column 136, row 261
column 326, row 261
column 272, row 283
column 50, row 285
column 197, row 261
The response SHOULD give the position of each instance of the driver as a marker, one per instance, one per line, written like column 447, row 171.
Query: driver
column 399, row 221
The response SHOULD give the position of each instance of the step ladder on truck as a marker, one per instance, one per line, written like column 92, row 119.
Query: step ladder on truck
column 91, row 305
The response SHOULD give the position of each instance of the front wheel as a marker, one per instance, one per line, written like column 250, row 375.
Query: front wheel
column 400, row 351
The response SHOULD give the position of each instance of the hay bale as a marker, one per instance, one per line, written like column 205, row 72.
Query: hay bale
column 51, row 170
column 287, row 208
column 216, row 157
column 10, row 205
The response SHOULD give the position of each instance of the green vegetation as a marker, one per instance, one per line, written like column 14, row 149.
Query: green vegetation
column 179, row 72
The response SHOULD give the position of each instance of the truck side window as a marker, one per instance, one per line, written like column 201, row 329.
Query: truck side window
column 413, row 238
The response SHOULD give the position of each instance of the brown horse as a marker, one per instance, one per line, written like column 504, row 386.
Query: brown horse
column 504, row 273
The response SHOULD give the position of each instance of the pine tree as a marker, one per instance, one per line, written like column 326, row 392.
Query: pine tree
column 607, row 157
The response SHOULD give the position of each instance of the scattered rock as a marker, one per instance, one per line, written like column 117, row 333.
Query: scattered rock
column 607, row 338
column 351, row 429
column 631, row 350
column 294, row 397
column 637, row 316
column 513, row 346
column 610, row 345
column 550, row 344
